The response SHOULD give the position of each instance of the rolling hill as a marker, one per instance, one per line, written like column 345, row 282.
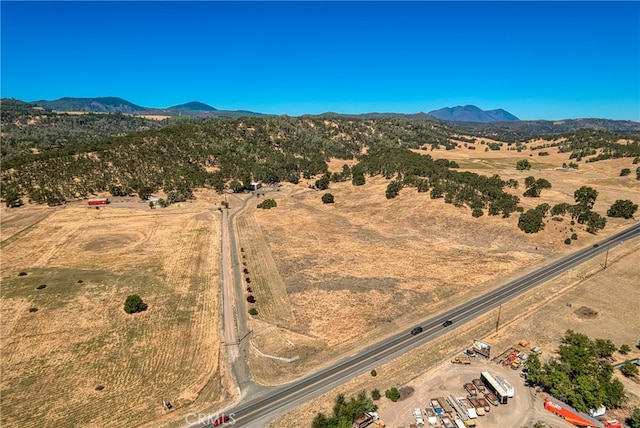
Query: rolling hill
column 471, row 113
column 119, row 105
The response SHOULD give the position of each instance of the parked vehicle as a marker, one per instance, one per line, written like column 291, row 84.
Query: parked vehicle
column 460, row 360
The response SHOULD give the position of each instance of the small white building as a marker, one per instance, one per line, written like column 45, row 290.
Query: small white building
column 256, row 185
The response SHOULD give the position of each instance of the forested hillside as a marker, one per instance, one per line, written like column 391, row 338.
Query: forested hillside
column 27, row 128
column 52, row 158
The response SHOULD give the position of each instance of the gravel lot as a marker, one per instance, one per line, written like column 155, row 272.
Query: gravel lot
column 523, row 410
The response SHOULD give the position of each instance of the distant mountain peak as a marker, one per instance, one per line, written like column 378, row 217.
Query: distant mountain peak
column 193, row 106
column 471, row 113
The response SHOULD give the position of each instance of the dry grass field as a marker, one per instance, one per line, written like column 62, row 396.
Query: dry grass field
column 80, row 338
column 540, row 317
column 328, row 278
column 365, row 266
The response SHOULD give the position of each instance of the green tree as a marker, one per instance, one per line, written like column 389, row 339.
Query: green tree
column 393, row 189
column 634, row 420
column 624, row 349
column 357, row 178
column 576, row 376
column 624, row 172
column 253, row 311
column 595, row 222
column 134, row 304
column 374, row 373
column 603, row 348
column 586, row 196
column 327, row 198
column 629, row 369
column 375, row 394
column 267, row 204
column 531, row 221
column 392, row 394
column 477, row 212
column 622, row 208
column 323, row 183
column 523, row 165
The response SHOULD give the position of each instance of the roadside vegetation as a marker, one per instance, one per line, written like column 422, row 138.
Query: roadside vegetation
column 580, row 375
column 345, row 412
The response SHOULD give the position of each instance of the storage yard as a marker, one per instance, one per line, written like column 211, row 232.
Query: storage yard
column 459, row 394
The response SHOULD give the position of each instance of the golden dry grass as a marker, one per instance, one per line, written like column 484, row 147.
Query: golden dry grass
column 539, row 316
column 80, row 337
column 365, row 266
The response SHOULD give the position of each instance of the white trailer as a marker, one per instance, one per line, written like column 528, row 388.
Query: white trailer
column 506, row 385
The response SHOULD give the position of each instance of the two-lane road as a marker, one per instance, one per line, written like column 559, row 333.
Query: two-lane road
column 277, row 400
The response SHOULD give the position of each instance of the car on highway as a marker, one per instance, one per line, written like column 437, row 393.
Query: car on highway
column 595, row 245
column 416, row 330
column 222, row 419
column 447, row 323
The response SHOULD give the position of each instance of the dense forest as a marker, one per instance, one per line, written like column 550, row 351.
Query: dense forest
column 51, row 158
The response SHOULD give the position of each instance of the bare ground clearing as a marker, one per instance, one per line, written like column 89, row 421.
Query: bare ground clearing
column 364, row 267
column 540, row 316
column 80, row 337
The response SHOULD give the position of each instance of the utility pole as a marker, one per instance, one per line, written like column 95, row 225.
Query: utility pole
column 498, row 321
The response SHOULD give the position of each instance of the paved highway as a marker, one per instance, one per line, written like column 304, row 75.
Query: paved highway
column 275, row 401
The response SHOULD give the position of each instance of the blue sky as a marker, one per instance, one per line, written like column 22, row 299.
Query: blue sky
column 538, row 60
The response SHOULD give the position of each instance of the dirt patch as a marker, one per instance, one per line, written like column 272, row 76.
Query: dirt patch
column 586, row 312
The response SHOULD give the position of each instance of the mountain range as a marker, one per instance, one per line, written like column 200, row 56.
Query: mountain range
column 468, row 113
column 468, row 116
column 119, row 105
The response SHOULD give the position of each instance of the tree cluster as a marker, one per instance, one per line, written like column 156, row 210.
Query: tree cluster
column 577, row 376
column 345, row 412
column 622, row 208
column 534, row 187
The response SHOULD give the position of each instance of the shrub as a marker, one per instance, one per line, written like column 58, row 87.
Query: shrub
column 267, row 204
column 374, row 373
column 134, row 304
column 477, row 212
column 523, row 165
column 567, row 241
column 375, row 394
column 41, row 287
column 251, row 299
column 629, row 369
column 22, row 274
column 99, row 387
column 392, row 394
column 624, row 349
column 33, row 310
column 327, row 198
column 574, row 236
column 253, row 311
column 624, row 172
column 80, row 281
